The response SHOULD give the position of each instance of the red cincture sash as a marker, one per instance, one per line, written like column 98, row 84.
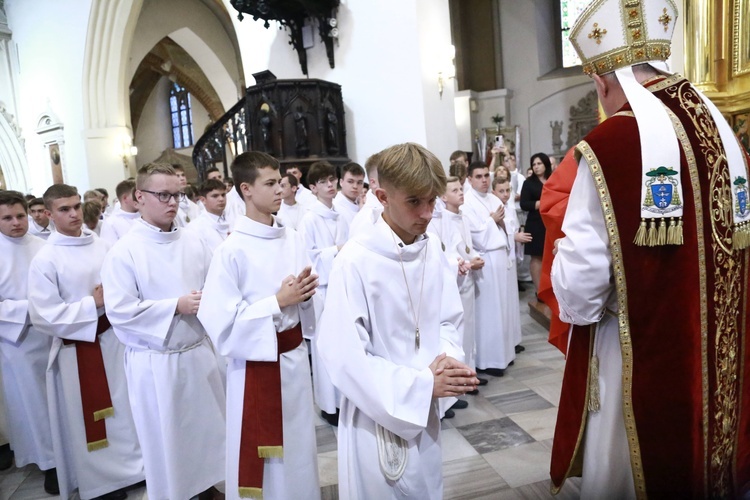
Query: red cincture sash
column 95, row 399
column 262, row 433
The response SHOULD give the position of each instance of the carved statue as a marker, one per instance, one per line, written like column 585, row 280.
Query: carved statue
column 265, row 131
column 557, row 141
column 300, row 127
column 332, row 132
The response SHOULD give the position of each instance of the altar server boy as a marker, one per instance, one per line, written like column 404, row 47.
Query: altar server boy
column 96, row 448
column 122, row 217
column 152, row 280
column 23, row 348
column 324, row 230
column 211, row 226
column 255, row 307
column 486, row 213
column 390, row 338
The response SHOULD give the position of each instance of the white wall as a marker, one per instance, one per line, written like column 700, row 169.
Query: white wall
column 555, row 107
column 51, row 55
column 523, row 25
column 385, row 65
column 155, row 126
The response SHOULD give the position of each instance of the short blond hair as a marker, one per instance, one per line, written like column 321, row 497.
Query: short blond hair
column 150, row 169
column 411, row 168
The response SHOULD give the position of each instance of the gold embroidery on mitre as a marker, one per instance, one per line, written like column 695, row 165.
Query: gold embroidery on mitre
column 597, row 33
column 665, row 19
column 640, row 45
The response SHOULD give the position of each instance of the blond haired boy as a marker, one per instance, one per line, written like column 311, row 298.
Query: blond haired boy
column 390, row 337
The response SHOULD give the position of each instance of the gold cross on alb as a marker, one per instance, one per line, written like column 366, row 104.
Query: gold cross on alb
column 597, row 33
column 665, row 19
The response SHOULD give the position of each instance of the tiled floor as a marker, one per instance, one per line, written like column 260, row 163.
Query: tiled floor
column 497, row 448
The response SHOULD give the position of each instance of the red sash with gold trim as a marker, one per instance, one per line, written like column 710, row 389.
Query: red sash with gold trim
column 96, row 402
column 262, row 434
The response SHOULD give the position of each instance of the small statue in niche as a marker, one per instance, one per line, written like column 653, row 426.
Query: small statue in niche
column 265, row 129
column 332, row 132
column 557, row 141
column 300, row 127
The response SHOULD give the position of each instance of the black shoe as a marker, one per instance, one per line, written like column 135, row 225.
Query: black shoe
column 210, row 494
column 460, row 405
column 521, row 288
column 331, row 418
column 473, row 393
column 6, row 457
column 448, row 414
column 115, row 495
column 520, row 349
column 495, row 372
column 50, row 482
column 482, row 381
column 511, row 363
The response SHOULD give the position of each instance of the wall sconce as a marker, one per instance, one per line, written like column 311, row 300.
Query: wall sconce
column 126, row 151
column 448, row 70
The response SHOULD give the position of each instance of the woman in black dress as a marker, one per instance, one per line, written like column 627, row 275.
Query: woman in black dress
column 531, row 193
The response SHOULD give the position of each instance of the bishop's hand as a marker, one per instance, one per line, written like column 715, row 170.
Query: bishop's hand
column 296, row 289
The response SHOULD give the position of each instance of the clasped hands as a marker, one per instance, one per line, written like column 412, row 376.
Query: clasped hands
column 451, row 377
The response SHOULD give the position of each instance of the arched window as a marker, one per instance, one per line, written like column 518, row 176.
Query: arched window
column 182, row 117
column 569, row 12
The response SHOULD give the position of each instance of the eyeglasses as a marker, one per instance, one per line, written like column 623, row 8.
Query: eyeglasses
column 331, row 180
column 164, row 197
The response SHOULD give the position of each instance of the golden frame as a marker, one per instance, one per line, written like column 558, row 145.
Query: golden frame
column 741, row 38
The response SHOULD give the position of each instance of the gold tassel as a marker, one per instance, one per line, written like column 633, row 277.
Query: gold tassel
column 247, row 492
column 640, row 235
column 741, row 236
column 594, row 399
column 671, row 228
column 678, row 240
column 661, row 234
column 270, row 452
column 651, row 233
column 105, row 413
column 97, row 445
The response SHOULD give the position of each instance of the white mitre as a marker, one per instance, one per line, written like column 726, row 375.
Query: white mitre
column 614, row 35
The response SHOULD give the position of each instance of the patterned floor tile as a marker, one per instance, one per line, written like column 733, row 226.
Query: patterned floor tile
column 495, row 435
column 520, row 401
column 471, row 479
column 521, row 465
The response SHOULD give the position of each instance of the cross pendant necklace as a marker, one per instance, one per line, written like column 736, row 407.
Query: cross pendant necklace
column 415, row 314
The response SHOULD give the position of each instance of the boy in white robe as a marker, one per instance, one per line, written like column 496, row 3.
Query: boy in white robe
column 349, row 198
column 152, row 281
column 324, row 231
column 369, row 212
column 511, row 309
column 255, row 306
column 123, row 215
column 188, row 210
column 391, row 338
column 452, row 228
column 303, row 196
column 95, row 444
column 211, row 226
column 290, row 212
column 39, row 223
column 23, row 349
column 485, row 213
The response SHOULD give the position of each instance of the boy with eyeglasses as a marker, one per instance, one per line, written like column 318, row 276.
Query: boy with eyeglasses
column 95, row 444
column 325, row 233
column 153, row 278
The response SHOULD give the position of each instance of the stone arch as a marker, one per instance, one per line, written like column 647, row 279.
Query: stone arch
column 13, row 165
